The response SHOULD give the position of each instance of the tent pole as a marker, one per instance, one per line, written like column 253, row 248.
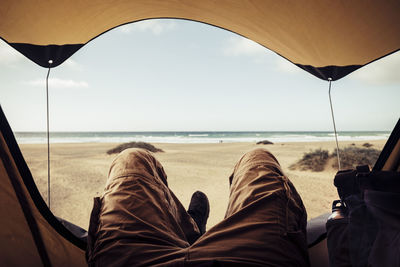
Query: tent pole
column 48, row 135
column 334, row 124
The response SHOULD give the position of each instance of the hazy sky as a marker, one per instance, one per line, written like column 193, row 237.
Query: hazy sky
column 166, row 75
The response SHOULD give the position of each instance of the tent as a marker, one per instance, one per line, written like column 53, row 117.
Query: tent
column 328, row 39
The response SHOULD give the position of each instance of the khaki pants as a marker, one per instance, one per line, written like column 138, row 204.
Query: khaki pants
column 139, row 221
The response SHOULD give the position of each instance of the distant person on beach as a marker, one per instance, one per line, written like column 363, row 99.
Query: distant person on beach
column 139, row 221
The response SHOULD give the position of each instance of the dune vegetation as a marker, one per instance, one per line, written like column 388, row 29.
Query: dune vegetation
column 142, row 145
column 350, row 157
column 314, row 160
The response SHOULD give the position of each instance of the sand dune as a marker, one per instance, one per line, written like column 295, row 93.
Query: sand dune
column 79, row 172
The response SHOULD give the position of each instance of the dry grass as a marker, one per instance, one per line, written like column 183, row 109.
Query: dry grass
column 142, row 145
column 314, row 160
column 367, row 145
column 350, row 158
column 264, row 142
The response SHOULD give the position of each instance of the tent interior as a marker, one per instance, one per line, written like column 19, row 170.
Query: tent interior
column 327, row 39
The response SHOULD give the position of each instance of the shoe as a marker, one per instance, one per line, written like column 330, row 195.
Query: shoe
column 199, row 209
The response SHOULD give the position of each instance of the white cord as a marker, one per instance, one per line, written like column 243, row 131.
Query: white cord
column 48, row 134
column 334, row 124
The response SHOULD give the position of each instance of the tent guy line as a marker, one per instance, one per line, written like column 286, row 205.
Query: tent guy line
column 48, row 133
column 334, row 124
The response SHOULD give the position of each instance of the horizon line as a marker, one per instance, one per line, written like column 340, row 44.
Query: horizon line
column 204, row 131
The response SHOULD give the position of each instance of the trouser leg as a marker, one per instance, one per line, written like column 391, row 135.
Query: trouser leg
column 265, row 223
column 139, row 220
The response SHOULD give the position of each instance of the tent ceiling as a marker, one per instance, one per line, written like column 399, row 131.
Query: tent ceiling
column 326, row 38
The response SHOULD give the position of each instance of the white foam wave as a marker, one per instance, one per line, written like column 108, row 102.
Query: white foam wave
column 200, row 138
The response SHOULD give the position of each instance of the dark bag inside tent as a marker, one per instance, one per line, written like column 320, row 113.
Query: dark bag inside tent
column 368, row 234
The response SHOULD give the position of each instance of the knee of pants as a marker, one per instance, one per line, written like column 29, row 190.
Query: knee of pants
column 136, row 161
column 134, row 154
column 260, row 152
column 257, row 155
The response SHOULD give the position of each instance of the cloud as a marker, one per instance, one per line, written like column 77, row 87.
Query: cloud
column 238, row 45
column 58, row 83
column 155, row 26
column 382, row 72
column 8, row 55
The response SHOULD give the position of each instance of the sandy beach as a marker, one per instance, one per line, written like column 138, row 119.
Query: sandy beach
column 79, row 172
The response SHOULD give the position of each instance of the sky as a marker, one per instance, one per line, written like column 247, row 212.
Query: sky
column 174, row 75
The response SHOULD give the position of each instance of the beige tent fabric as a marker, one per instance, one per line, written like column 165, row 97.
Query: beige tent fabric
column 15, row 236
column 317, row 33
column 17, row 245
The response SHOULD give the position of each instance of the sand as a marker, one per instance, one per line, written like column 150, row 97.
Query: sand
column 79, row 172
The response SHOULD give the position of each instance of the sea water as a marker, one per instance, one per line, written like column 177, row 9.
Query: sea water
column 195, row 137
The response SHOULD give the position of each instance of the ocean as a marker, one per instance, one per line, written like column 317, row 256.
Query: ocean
column 194, row 137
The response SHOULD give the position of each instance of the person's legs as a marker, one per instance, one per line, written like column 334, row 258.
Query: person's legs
column 138, row 220
column 265, row 223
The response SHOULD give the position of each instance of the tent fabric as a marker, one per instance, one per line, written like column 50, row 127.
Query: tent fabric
column 29, row 234
column 15, row 229
column 329, row 39
column 389, row 159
